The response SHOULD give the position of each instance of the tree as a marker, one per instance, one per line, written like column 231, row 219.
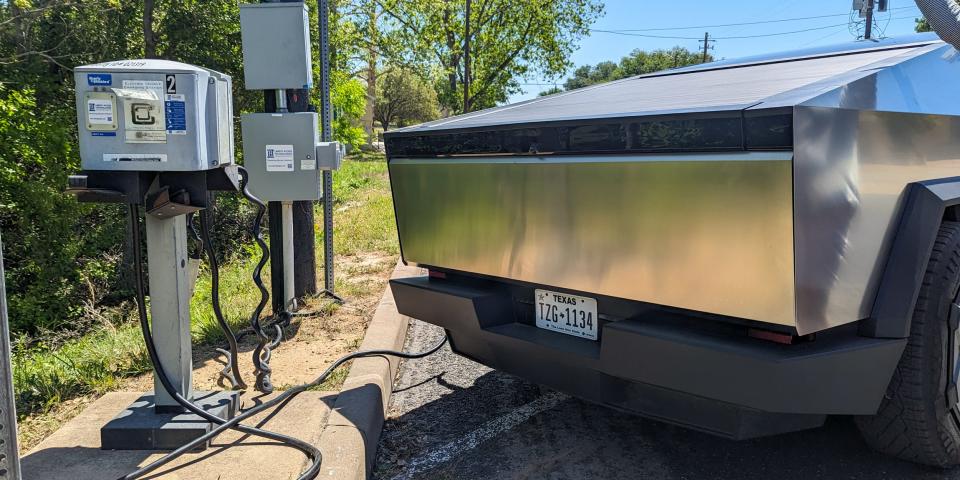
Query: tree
column 922, row 25
column 589, row 75
column 501, row 42
column 550, row 91
column 638, row 62
column 404, row 98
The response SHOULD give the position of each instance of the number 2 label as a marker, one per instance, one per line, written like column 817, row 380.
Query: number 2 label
column 171, row 84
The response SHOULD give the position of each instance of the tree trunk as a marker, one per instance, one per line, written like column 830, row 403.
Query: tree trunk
column 466, row 59
column 149, row 38
column 368, row 114
column 454, row 58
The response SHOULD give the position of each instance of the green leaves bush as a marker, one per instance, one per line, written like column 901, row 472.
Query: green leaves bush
column 54, row 247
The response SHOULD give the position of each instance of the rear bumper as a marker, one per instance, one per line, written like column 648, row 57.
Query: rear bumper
column 661, row 365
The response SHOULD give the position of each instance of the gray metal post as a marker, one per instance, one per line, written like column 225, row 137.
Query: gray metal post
column 326, row 121
column 288, row 283
column 10, row 460
column 170, row 304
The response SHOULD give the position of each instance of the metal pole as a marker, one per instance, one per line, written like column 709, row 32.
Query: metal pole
column 281, row 100
column 868, row 28
column 10, row 459
column 326, row 120
column 288, row 291
column 706, row 45
column 170, row 306
column 466, row 59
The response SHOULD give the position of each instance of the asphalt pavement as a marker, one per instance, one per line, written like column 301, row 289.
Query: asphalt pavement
column 451, row 418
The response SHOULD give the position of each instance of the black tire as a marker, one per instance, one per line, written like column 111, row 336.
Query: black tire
column 919, row 419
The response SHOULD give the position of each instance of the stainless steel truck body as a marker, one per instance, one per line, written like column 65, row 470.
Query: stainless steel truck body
column 698, row 213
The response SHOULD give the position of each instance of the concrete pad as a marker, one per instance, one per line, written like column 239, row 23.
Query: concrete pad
column 73, row 452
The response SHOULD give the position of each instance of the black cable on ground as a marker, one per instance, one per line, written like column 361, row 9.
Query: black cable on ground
column 261, row 354
column 280, row 399
column 312, row 452
column 232, row 370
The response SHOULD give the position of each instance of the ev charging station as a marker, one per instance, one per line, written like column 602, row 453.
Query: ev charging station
column 158, row 134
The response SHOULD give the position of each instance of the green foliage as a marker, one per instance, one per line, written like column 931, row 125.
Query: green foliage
column 348, row 97
column 51, row 270
column 509, row 41
column 638, row 62
column 922, row 25
column 404, row 98
column 550, row 91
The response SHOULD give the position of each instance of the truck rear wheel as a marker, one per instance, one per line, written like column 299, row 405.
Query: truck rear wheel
column 919, row 417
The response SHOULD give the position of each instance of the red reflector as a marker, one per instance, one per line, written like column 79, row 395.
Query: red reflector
column 776, row 337
column 436, row 274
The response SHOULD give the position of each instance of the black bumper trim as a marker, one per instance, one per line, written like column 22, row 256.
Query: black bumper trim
column 652, row 365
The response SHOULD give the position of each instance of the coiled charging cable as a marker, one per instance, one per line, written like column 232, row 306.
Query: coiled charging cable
column 313, row 453
column 261, row 354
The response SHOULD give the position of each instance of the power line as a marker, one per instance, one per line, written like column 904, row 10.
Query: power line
column 740, row 37
column 760, row 22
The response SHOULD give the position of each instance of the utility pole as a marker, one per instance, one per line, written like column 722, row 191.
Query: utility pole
column 868, row 15
column 466, row 60
column 706, row 45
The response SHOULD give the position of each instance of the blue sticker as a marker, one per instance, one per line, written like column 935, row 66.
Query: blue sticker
column 104, row 134
column 175, row 109
column 99, row 79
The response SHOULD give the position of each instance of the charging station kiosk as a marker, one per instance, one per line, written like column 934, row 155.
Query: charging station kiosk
column 158, row 134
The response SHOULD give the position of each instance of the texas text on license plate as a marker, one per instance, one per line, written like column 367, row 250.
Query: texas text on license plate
column 565, row 313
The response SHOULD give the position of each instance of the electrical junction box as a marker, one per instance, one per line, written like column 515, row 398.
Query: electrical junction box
column 276, row 46
column 282, row 153
column 153, row 115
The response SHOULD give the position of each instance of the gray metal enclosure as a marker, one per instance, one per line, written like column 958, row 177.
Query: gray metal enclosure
column 766, row 188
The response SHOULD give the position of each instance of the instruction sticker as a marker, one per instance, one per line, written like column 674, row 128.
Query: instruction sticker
column 175, row 108
column 308, row 164
column 100, row 111
column 279, row 158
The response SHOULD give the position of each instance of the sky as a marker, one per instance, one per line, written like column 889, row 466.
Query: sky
column 830, row 27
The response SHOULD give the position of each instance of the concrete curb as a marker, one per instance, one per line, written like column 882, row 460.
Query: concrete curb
column 349, row 440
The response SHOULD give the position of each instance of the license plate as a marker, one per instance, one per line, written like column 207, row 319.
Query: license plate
column 565, row 313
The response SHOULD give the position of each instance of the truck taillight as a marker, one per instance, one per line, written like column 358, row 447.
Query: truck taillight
column 777, row 337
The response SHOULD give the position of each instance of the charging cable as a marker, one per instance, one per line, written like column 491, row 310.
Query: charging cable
column 280, row 401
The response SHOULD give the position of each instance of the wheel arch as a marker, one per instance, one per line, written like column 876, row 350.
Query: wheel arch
column 927, row 204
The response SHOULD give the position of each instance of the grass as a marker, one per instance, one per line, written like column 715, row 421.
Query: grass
column 45, row 378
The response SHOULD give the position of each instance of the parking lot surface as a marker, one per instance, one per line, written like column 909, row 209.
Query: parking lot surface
column 452, row 418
